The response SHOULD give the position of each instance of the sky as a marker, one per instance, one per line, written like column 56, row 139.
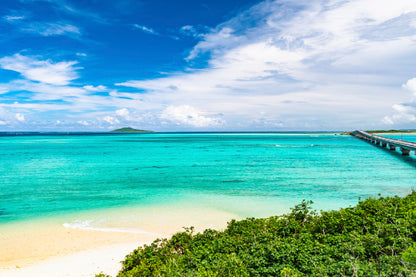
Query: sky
column 230, row 65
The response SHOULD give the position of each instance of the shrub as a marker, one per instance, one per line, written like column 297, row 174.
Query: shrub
column 374, row 238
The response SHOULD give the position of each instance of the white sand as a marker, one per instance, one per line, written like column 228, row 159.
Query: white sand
column 85, row 245
column 86, row 263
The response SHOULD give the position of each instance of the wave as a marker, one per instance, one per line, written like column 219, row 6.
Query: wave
column 300, row 145
column 307, row 145
column 88, row 225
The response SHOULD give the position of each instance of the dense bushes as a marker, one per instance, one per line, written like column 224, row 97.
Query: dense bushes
column 375, row 238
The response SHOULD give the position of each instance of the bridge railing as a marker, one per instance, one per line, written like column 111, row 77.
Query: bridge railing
column 405, row 146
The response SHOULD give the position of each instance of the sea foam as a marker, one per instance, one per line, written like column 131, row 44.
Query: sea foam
column 89, row 225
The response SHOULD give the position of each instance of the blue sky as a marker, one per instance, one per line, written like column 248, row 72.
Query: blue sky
column 68, row 65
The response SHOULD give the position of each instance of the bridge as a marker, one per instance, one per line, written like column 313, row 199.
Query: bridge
column 392, row 144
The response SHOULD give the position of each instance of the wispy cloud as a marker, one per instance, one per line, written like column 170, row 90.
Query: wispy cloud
column 51, row 29
column 46, row 86
column 67, row 7
column 28, row 25
column 189, row 30
column 47, row 91
column 45, row 71
column 13, row 18
column 299, row 62
column 145, row 29
column 99, row 88
column 293, row 65
column 4, row 89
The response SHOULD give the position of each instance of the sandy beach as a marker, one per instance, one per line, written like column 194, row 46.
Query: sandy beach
column 54, row 248
column 104, row 259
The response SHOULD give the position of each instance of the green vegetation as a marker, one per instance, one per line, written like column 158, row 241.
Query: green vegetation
column 391, row 131
column 130, row 130
column 375, row 238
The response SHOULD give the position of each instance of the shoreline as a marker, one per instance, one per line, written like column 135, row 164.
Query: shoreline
column 104, row 259
column 54, row 247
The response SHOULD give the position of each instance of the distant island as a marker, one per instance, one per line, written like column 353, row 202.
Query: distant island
column 130, row 130
column 391, row 131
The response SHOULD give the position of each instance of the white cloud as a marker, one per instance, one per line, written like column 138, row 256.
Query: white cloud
column 190, row 116
column 404, row 112
column 67, row 7
column 123, row 112
column 387, row 120
column 99, row 88
column 45, row 71
column 51, row 29
column 411, row 85
column 20, row 117
column 4, row 89
column 111, row 120
column 81, row 54
column 212, row 40
column 43, row 91
column 298, row 65
column 310, row 64
column 42, row 28
column 13, row 18
column 145, row 29
column 189, row 30
column 83, row 122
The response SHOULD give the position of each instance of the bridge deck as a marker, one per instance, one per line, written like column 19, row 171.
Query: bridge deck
column 405, row 146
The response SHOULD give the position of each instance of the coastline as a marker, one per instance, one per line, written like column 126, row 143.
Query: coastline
column 104, row 259
column 223, row 178
column 51, row 248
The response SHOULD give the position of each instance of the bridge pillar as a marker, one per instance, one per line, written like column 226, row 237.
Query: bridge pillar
column 405, row 152
column 383, row 144
column 392, row 147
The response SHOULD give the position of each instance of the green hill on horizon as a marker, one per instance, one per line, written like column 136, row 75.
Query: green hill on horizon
column 130, row 130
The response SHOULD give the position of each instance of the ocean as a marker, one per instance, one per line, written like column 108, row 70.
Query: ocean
column 244, row 174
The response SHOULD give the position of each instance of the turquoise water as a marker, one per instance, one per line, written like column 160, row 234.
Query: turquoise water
column 246, row 174
column 407, row 137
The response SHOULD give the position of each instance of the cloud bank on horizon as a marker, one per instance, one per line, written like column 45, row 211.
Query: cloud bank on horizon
column 270, row 65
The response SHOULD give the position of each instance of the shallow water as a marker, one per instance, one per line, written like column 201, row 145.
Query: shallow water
column 243, row 174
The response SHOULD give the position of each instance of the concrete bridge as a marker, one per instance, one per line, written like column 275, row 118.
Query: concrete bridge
column 404, row 146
